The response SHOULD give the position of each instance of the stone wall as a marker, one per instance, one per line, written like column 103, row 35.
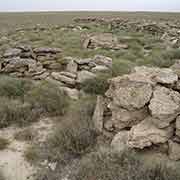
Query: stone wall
column 142, row 109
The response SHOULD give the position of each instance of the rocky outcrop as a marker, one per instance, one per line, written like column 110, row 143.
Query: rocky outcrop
column 144, row 108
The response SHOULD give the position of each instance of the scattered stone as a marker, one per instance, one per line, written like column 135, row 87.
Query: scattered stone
column 71, row 93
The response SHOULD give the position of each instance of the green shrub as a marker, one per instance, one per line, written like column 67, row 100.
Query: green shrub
column 3, row 143
column 75, row 134
column 98, row 85
column 121, row 67
column 15, row 112
column 13, row 87
column 48, row 98
column 107, row 165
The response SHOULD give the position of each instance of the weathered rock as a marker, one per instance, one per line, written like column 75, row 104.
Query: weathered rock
column 41, row 76
column 83, row 61
column 68, row 74
column 103, row 60
column 100, row 69
column 63, row 78
column 12, row 53
column 153, row 75
column 176, row 67
column 164, row 106
column 47, row 50
column 146, row 134
column 98, row 114
column 84, row 75
column 24, row 48
column 122, row 118
column 120, row 141
column 72, row 67
column 71, row 93
column 174, row 150
column 129, row 94
column 104, row 40
column 178, row 126
column 17, row 64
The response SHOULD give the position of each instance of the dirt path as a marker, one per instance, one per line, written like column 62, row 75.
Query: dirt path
column 12, row 162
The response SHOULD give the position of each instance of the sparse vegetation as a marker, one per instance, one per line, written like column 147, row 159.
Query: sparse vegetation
column 3, row 143
column 25, row 135
column 31, row 154
column 48, row 98
column 14, row 87
column 16, row 112
column 75, row 134
column 98, row 85
column 110, row 166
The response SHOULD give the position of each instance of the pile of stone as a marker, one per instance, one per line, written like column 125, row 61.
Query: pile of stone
column 23, row 61
column 43, row 64
column 143, row 109
column 105, row 41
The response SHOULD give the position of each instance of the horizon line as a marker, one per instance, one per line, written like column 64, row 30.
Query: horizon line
column 88, row 10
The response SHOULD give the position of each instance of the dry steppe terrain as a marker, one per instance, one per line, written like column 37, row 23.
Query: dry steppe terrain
column 89, row 96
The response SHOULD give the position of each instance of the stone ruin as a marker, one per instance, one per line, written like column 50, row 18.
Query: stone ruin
column 142, row 109
column 45, row 63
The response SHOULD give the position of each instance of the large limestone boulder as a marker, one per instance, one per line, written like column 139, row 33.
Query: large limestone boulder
column 164, row 106
column 174, row 150
column 85, row 75
column 123, row 118
column 120, row 141
column 63, row 78
column 153, row 75
column 146, row 134
column 128, row 94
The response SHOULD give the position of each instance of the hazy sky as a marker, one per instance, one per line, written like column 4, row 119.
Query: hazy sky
column 116, row 5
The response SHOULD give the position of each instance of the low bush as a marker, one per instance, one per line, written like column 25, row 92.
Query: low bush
column 106, row 165
column 98, row 85
column 31, row 154
column 16, row 112
column 25, row 135
column 3, row 143
column 121, row 67
column 75, row 134
column 48, row 98
column 14, row 87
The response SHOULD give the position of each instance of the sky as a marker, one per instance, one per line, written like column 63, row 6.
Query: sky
column 112, row 5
